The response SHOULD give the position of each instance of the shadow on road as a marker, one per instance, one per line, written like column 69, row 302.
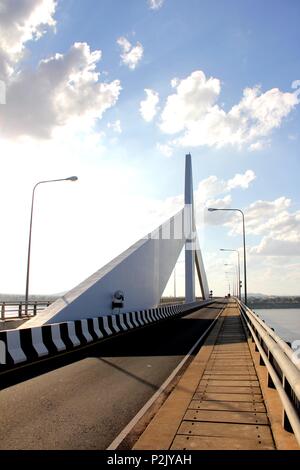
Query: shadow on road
column 173, row 337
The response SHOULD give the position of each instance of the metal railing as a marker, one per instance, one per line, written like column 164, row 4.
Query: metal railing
column 283, row 370
column 176, row 300
column 13, row 310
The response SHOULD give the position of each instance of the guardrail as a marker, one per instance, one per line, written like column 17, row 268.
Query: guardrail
column 173, row 300
column 177, row 300
column 25, row 346
column 283, row 370
column 13, row 310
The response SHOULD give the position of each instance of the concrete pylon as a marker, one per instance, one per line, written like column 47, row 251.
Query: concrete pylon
column 189, row 224
column 193, row 256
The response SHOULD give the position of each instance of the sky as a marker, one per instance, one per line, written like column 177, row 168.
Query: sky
column 117, row 92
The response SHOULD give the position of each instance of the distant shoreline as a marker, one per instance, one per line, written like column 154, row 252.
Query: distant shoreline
column 273, row 306
column 32, row 298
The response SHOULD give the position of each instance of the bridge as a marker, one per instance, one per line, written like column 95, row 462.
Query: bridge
column 108, row 366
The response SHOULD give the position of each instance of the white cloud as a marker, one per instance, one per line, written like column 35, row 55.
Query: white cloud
column 149, row 106
column 63, row 88
column 20, row 22
column 259, row 145
column 115, row 126
column 209, row 192
column 194, row 97
column 296, row 84
column 131, row 55
column 270, row 246
column 220, row 203
column 155, row 4
column 263, row 208
column 217, row 217
column 212, row 186
column 279, row 228
column 241, row 181
column 193, row 113
column 263, row 216
column 165, row 150
column 2, row 92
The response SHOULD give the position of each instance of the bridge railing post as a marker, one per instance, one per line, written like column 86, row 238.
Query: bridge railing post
column 270, row 382
column 20, row 309
column 285, row 420
column 269, row 378
column 255, row 347
column 3, row 311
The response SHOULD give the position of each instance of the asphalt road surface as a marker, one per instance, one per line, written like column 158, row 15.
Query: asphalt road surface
column 86, row 404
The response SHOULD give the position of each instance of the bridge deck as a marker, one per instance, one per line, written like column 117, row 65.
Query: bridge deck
column 225, row 410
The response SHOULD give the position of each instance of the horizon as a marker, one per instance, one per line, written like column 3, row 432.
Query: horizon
column 163, row 296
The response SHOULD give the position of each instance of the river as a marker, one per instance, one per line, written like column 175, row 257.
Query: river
column 285, row 321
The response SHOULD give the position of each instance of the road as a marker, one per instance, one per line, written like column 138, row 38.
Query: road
column 87, row 403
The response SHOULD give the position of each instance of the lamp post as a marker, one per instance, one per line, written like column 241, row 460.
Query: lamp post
column 212, row 209
column 236, row 276
column 228, row 286
column 239, row 268
column 228, row 280
column 231, row 272
column 71, row 178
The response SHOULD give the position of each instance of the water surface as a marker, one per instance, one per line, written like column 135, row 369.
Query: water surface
column 285, row 321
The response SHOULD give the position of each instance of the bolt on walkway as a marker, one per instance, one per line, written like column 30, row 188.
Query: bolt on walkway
column 225, row 409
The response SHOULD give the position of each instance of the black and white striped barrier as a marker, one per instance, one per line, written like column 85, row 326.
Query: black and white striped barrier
column 18, row 347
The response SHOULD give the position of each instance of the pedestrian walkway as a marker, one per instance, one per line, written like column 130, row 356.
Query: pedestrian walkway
column 224, row 409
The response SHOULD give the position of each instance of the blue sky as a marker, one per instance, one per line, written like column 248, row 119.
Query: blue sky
column 60, row 118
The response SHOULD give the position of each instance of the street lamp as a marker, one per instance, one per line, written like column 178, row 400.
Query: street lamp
column 233, row 283
column 236, row 276
column 228, row 280
column 213, row 209
column 239, row 268
column 71, row 178
column 228, row 286
column 233, row 278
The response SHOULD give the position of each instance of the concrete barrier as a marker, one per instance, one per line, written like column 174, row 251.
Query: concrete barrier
column 25, row 346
